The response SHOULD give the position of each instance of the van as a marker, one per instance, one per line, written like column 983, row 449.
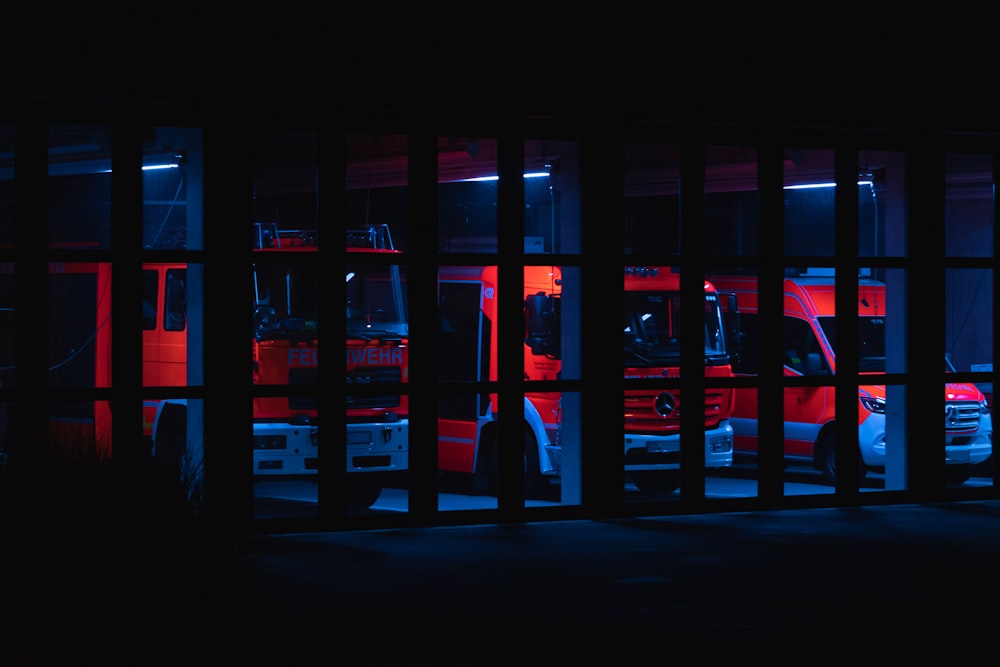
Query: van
column 809, row 412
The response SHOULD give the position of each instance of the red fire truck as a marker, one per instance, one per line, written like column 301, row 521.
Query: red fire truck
column 467, row 430
column 378, row 422
column 652, row 350
column 285, row 352
column 810, row 422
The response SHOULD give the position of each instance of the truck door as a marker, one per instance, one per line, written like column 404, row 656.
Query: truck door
column 164, row 324
column 463, row 356
column 806, row 408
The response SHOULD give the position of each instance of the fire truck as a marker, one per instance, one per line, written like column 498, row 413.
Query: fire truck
column 286, row 352
column 467, row 432
column 810, row 421
column 377, row 364
column 652, row 350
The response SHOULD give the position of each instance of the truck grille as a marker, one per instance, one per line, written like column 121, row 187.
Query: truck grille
column 650, row 411
column 306, row 375
column 369, row 375
column 961, row 416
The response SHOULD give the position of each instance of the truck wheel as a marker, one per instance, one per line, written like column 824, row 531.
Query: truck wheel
column 659, row 482
column 826, row 461
column 533, row 487
column 486, row 479
column 363, row 489
column 171, row 442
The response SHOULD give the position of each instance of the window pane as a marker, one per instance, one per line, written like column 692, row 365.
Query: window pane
column 882, row 222
column 467, row 354
column 467, row 194
column 79, row 185
column 171, row 207
column 969, row 206
column 551, row 354
column 653, row 327
column 810, row 214
column 285, row 355
column 377, row 404
column 285, row 175
column 376, row 187
column 731, row 217
column 968, row 349
column 79, row 336
column 551, row 197
column 652, row 201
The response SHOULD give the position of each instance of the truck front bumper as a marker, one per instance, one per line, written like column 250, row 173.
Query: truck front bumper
column 662, row 452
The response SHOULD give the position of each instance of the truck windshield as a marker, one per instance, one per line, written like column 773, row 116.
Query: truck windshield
column 286, row 300
column 653, row 334
column 871, row 342
column 292, row 291
column 376, row 301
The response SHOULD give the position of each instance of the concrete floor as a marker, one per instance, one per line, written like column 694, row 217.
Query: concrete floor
column 816, row 586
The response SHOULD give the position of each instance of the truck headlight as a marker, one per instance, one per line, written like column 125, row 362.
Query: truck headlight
column 873, row 404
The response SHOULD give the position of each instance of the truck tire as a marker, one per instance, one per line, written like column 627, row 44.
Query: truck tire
column 363, row 489
column 533, row 480
column 826, row 460
column 658, row 482
column 171, row 442
column 486, row 479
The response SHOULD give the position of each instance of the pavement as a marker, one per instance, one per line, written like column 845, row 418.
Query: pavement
column 804, row 586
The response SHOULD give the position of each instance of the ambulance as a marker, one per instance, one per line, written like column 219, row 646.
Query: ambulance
column 810, row 422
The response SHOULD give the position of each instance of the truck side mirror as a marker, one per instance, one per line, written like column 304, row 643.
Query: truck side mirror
column 541, row 325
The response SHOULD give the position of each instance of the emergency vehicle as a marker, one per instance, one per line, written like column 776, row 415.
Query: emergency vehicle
column 652, row 350
column 286, row 352
column 468, row 300
column 809, row 417
column 377, row 364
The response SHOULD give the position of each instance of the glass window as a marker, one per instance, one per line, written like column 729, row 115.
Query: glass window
column 173, row 305
column 79, row 187
column 882, row 221
column 652, row 198
column 732, row 225
column 377, row 316
column 809, row 203
column 171, row 162
column 467, row 194
column 79, row 337
column 969, row 205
